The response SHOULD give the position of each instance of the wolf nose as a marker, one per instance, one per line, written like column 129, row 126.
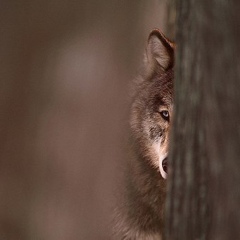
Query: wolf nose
column 164, row 165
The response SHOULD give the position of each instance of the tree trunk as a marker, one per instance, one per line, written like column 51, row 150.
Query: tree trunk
column 204, row 191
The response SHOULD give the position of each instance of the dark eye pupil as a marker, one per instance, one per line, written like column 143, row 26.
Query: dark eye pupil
column 165, row 114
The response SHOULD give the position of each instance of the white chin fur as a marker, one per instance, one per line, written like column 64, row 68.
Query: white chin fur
column 163, row 173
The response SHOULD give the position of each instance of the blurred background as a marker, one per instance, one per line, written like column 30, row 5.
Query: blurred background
column 65, row 73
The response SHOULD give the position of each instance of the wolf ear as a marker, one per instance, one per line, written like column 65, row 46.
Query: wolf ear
column 160, row 52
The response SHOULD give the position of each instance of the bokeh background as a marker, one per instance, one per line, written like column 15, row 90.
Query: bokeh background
column 65, row 73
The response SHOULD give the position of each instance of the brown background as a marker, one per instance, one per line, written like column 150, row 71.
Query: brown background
column 65, row 72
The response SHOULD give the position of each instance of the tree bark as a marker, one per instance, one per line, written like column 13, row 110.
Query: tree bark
column 204, row 195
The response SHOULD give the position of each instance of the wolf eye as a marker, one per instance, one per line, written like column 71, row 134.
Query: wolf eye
column 165, row 115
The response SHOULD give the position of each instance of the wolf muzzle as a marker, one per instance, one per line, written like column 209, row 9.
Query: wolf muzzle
column 163, row 166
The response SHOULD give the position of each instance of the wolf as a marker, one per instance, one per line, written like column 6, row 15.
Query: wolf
column 141, row 214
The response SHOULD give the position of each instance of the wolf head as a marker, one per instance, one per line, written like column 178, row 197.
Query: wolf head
column 152, row 108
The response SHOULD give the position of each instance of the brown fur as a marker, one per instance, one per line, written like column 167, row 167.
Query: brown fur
column 142, row 211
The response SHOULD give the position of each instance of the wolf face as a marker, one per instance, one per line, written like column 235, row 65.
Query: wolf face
column 152, row 108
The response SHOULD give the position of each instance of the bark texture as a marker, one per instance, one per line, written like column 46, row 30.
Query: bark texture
column 204, row 192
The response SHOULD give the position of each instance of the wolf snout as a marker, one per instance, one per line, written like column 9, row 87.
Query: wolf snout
column 165, row 165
